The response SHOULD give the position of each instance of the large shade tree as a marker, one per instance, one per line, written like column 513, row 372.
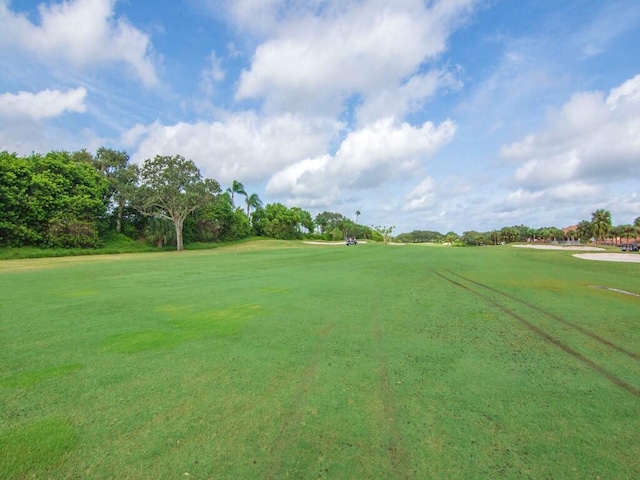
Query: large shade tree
column 172, row 188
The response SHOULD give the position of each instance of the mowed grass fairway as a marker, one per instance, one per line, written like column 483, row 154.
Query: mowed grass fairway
column 276, row 360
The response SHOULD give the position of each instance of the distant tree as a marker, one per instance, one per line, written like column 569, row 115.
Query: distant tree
column 280, row 222
column 385, row 232
column 253, row 201
column 545, row 234
column 451, row 237
column 525, row 234
column 114, row 166
column 509, row 234
column 305, row 220
column 615, row 234
column 236, row 187
column 357, row 215
column 473, row 238
column 330, row 220
column 585, row 230
column 627, row 231
column 601, row 223
column 172, row 188
column 322, row 223
column 216, row 221
column 420, row 236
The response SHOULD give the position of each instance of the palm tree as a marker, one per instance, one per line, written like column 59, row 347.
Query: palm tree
column 253, row 201
column 628, row 231
column 614, row 234
column 236, row 187
column 585, row 231
column 160, row 231
column 601, row 222
column 357, row 215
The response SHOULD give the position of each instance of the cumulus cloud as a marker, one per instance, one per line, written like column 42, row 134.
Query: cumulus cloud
column 593, row 138
column 42, row 105
column 243, row 146
column 367, row 158
column 422, row 196
column 81, row 33
column 362, row 48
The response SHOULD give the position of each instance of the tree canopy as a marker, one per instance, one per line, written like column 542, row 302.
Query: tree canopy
column 172, row 188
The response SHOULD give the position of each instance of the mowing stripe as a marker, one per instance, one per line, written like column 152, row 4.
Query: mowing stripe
column 555, row 317
column 567, row 349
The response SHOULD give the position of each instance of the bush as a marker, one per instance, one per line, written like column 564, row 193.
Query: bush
column 65, row 232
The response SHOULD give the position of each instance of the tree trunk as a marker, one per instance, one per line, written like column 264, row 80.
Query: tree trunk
column 119, row 217
column 178, row 222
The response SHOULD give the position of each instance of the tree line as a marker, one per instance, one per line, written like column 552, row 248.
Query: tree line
column 82, row 200
column 599, row 229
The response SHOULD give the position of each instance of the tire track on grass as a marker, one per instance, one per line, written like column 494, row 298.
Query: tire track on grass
column 553, row 316
column 396, row 449
column 549, row 338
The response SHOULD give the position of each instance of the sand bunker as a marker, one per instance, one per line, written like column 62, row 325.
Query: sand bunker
column 560, row 247
column 610, row 257
column 603, row 257
column 332, row 244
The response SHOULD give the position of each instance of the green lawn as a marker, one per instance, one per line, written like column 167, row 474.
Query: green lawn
column 277, row 360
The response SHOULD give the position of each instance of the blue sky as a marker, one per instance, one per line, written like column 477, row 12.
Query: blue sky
column 436, row 115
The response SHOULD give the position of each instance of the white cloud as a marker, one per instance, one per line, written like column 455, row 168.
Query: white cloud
column 422, row 196
column 242, row 146
column 42, row 105
column 367, row 158
column 212, row 75
column 81, row 33
column 407, row 97
column 362, row 48
column 592, row 138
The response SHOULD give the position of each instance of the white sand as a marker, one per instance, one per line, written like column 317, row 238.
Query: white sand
column 604, row 257
column 332, row 243
column 610, row 257
column 325, row 243
column 560, row 247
